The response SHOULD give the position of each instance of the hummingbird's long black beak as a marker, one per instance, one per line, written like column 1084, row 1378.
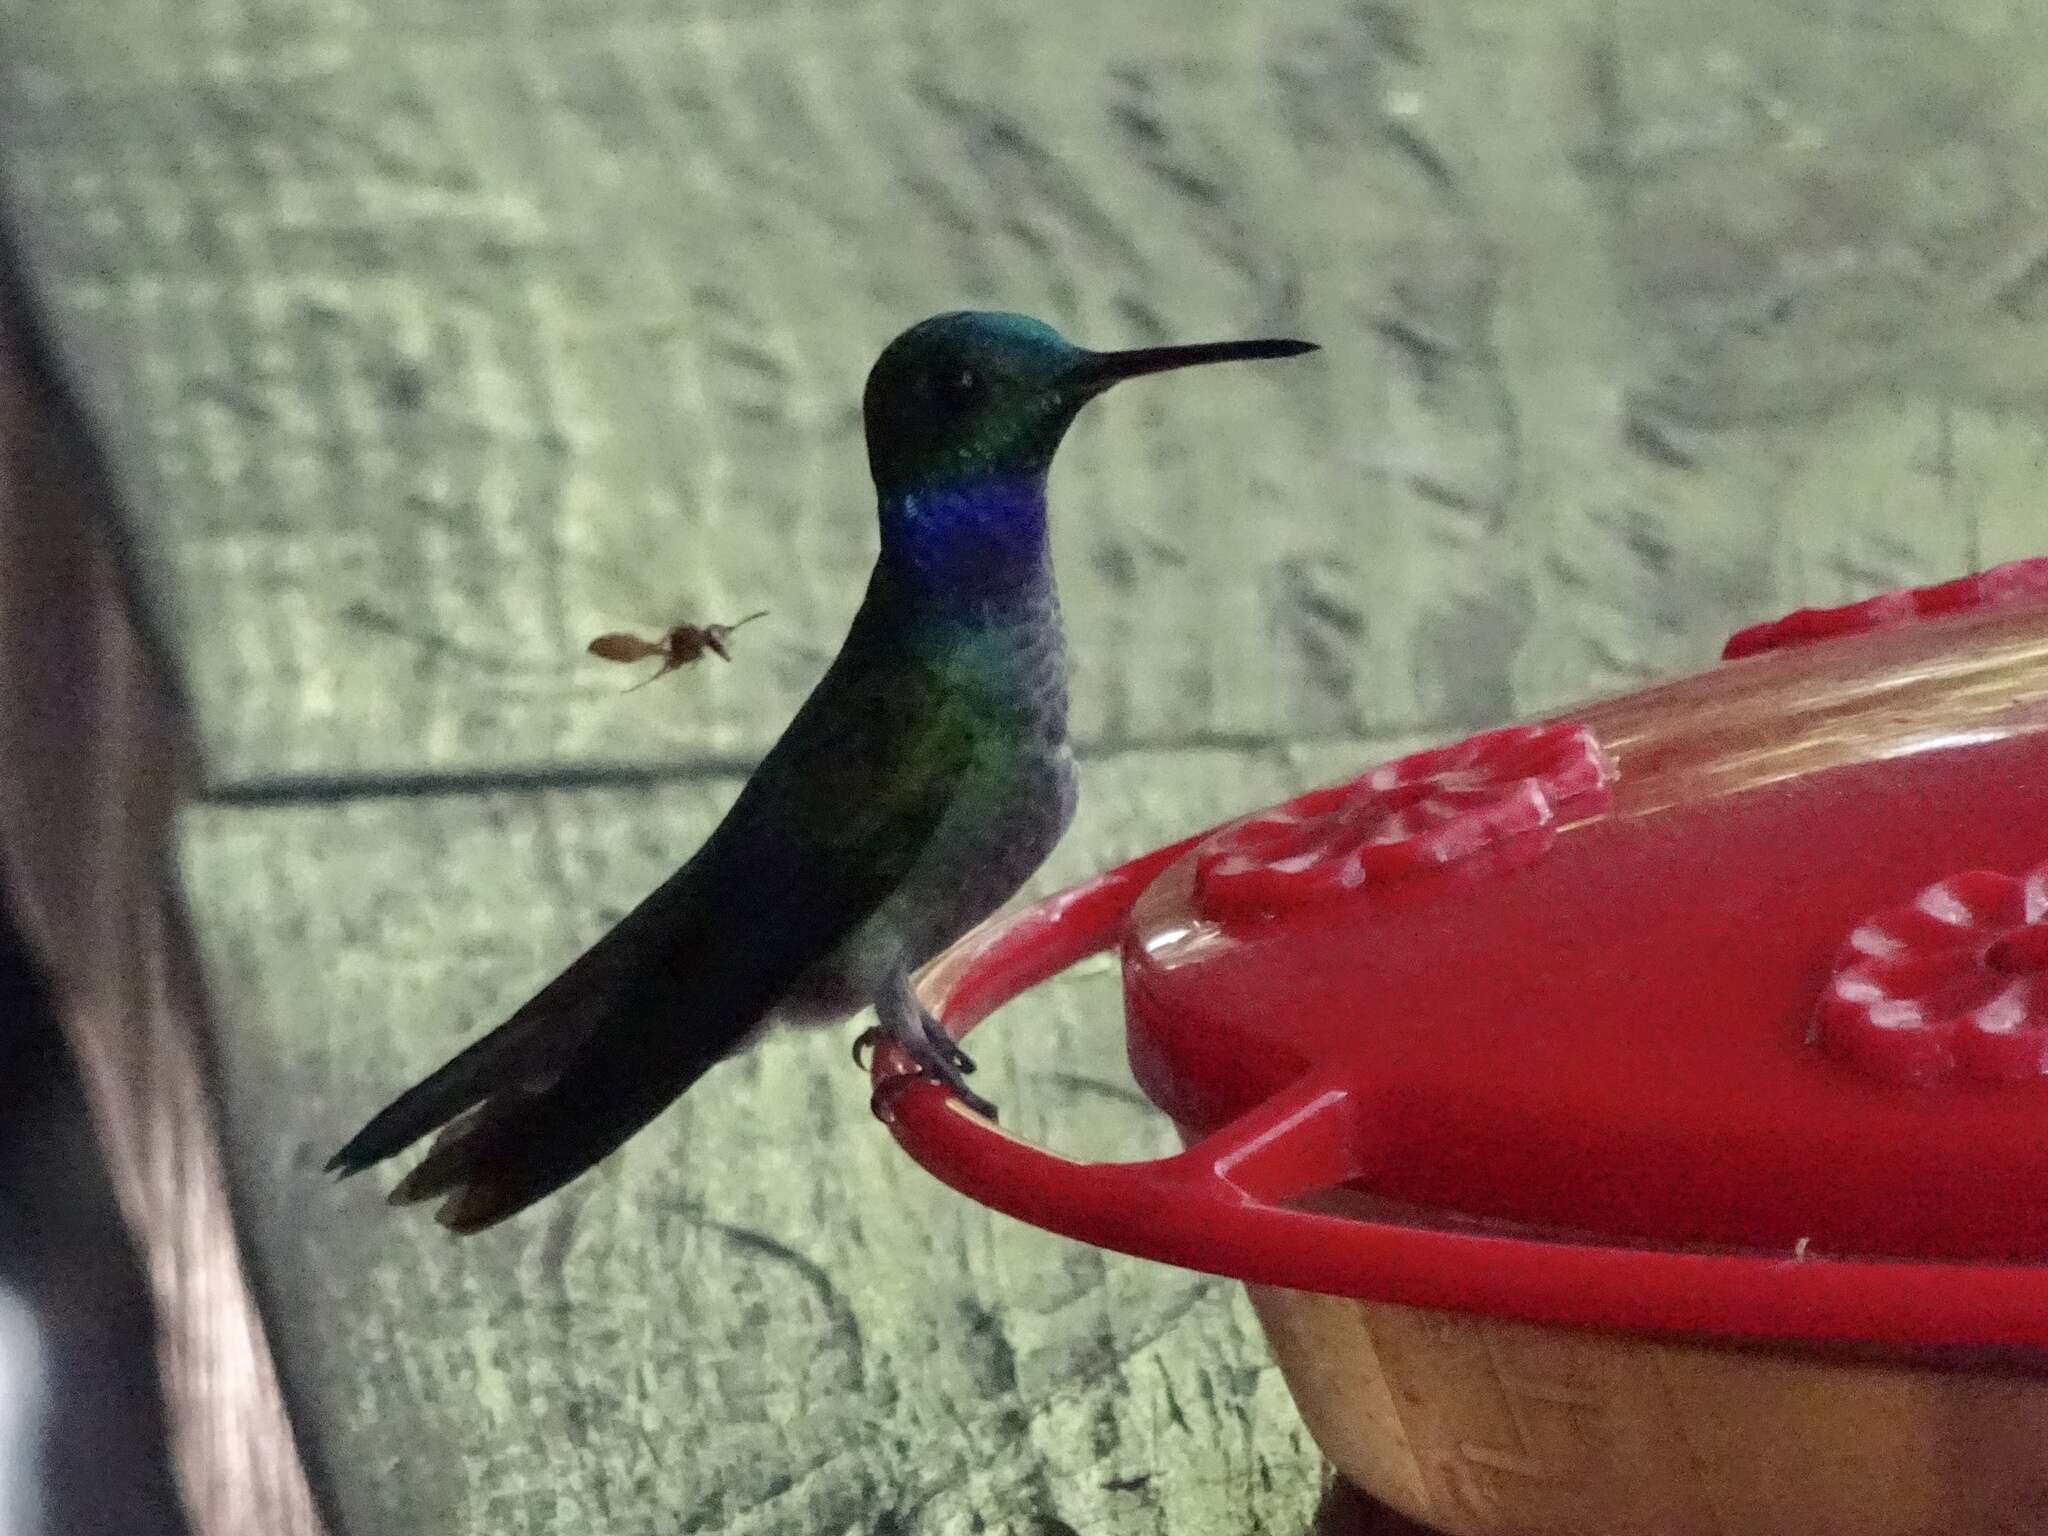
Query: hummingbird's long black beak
column 1101, row 369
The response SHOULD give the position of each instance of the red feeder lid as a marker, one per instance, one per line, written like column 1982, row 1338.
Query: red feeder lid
column 2017, row 581
column 1711, row 1009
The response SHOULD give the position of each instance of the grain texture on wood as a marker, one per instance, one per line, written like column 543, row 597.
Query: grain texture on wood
column 441, row 339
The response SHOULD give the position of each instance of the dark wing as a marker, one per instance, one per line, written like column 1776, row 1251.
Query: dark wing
column 825, row 829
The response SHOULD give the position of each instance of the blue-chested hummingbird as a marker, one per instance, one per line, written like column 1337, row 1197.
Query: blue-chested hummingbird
column 921, row 783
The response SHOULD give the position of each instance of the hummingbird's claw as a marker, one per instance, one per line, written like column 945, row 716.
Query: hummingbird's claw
column 864, row 1044
column 934, row 1054
column 946, row 1046
column 883, row 1100
column 938, row 1057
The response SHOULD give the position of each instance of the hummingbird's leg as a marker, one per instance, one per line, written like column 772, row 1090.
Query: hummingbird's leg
column 904, row 1020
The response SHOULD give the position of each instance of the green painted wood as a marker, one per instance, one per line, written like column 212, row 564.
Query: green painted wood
column 442, row 337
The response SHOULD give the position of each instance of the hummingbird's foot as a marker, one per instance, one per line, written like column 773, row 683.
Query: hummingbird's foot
column 935, row 1054
column 928, row 1070
column 945, row 1045
column 864, row 1044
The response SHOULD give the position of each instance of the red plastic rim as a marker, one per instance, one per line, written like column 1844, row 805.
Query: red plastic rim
column 1220, row 1206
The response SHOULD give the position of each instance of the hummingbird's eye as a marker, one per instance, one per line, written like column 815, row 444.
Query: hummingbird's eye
column 958, row 390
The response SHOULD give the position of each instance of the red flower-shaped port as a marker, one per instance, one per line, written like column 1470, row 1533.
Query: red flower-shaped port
column 1953, row 984
column 2019, row 581
column 1502, row 792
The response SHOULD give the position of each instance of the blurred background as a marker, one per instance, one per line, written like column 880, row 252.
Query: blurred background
column 368, row 359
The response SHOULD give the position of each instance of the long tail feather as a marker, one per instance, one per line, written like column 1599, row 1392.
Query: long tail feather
column 525, row 1142
column 593, row 1057
column 465, row 1081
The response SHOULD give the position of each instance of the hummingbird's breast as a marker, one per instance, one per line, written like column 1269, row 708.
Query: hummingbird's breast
column 1012, row 806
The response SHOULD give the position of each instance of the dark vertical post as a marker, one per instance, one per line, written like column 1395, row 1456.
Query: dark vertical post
column 93, row 758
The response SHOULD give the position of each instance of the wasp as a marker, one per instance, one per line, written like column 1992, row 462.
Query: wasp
column 677, row 647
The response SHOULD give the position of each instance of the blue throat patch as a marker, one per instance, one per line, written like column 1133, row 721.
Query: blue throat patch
column 970, row 543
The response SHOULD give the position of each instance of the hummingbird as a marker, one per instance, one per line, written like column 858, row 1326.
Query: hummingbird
column 922, row 782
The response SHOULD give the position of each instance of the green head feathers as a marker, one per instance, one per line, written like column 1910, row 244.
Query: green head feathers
column 979, row 395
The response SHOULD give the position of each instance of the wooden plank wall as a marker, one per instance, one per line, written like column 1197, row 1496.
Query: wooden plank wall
column 434, row 338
